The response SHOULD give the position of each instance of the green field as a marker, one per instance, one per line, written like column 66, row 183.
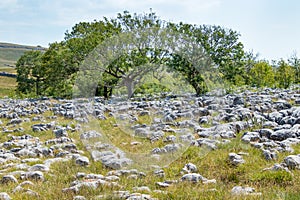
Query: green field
column 9, row 55
column 7, row 86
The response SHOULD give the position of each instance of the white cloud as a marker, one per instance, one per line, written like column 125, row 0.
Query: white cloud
column 68, row 12
column 44, row 21
column 54, row 15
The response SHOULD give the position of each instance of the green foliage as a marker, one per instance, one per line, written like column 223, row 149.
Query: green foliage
column 190, row 73
column 219, row 56
column 151, row 88
column 262, row 74
column 221, row 50
column 61, row 61
column 285, row 74
column 294, row 62
column 29, row 72
column 59, row 70
column 225, row 49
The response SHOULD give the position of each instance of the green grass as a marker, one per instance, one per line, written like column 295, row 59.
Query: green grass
column 10, row 56
column 7, row 86
column 10, row 53
column 11, row 70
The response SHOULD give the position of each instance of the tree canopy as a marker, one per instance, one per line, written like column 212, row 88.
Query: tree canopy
column 131, row 46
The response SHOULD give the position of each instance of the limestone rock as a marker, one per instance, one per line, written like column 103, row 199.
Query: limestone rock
column 236, row 159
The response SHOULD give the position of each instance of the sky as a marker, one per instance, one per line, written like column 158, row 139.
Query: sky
column 270, row 28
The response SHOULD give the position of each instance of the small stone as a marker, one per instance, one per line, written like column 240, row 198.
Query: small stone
column 142, row 189
column 30, row 160
column 18, row 189
column 39, row 167
column 82, row 161
column 133, row 177
column 239, row 190
column 269, row 155
column 292, row 161
column 34, row 175
column 142, row 174
column 26, row 183
column 159, row 173
column 94, row 176
column 250, row 137
column 79, row 198
column 189, row 168
column 50, row 161
column 236, row 159
column 238, row 101
column 135, row 196
column 277, row 167
column 31, row 193
column 160, row 192
column 112, row 178
column 297, row 101
column 121, row 194
column 4, row 196
column 211, row 181
column 192, row 177
column 15, row 121
column 61, row 132
column 8, row 179
column 117, row 163
column 135, row 143
column 162, row 184
column 90, row 134
column 92, row 184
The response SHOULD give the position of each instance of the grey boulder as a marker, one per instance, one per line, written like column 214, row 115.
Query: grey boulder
column 4, row 196
column 236, row 159
column 240, row 190
column 292, row 161
column 8, row 179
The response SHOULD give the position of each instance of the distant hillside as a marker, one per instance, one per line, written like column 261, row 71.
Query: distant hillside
column 10, row 53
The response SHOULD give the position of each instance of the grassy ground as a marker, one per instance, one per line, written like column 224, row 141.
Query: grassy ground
column 9, row 57
column 11, row 70
column 10, row 53
column 214, row 165
column 7, row 86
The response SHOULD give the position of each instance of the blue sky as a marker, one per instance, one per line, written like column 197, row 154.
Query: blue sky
column 268, row 27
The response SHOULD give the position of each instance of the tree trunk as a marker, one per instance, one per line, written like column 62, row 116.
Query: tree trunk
column 110, row 92
column 129, row 83
column 37, row 89
column 105, row 92
column 200, row 88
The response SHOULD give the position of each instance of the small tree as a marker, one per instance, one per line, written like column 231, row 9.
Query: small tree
column 225, row 49
column 193, row 61
column 285, row 74
column 294, row 61
column 29, row 73
column 262, row 74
